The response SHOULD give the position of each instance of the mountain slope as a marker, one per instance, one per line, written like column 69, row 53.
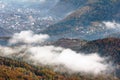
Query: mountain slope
column 108, row 47
column 16, row 16
column 86, row 21
column 64, row 7
column 16, row 70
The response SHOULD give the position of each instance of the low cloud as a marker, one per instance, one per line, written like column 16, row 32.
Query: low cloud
column 28, row 37
column 53, row 56
column 111, row 25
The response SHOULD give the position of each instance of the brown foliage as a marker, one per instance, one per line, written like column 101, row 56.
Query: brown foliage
column 17, row 70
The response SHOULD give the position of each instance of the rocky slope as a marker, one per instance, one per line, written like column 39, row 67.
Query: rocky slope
column 25, row 15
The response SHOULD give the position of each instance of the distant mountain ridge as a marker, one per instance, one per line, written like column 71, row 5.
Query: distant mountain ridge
column 88, row 17
column 117, row 35
column 108, row 47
